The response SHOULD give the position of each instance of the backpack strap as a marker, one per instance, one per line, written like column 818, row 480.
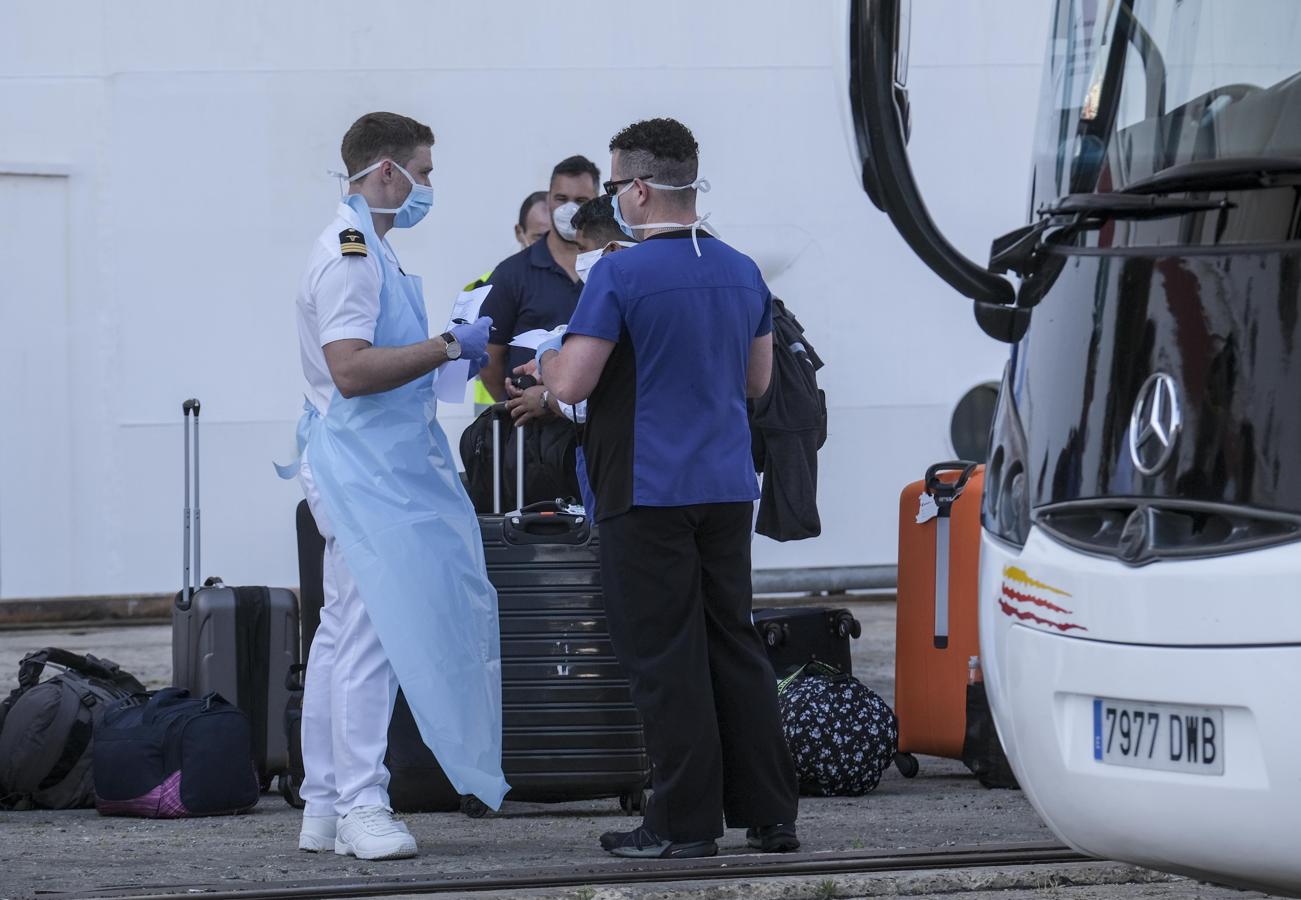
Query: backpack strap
column 67, row 726
column 78, row 739
column 33, row 665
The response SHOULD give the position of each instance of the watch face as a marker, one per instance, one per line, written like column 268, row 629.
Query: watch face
column 453, row 346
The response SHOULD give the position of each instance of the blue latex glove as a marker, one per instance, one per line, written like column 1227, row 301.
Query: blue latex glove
column 551, row 343
column 473, row 338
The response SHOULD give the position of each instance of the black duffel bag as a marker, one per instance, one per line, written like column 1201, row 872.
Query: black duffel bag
column 168, row 755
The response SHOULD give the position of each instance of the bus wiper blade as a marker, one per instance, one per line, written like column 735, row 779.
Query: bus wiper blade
column 1018, row 251
column 1126, row 206
column 1233, row 173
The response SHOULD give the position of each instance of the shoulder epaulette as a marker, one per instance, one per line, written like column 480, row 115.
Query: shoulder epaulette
column 352, row 242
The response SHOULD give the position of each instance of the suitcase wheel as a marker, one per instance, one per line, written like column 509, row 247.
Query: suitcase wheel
column 846, row 626
column 907, row 764
column 773, row 634
column 634, row 802
column 289, row 787
column 473, row 807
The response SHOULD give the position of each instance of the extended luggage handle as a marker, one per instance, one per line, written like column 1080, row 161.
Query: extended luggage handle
column 190, row 577
column 500, row 413
column 946, row 492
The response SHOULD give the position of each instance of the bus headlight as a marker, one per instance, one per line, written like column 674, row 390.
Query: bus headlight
column 1005, row 506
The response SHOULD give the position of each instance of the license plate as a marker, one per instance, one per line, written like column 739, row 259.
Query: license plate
column 1167, row 736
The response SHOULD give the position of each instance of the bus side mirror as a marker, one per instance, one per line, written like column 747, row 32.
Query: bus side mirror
column 901, row 28
column 879, row 44
column 1003, row 323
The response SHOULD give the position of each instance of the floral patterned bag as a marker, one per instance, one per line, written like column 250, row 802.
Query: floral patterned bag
column 841, row 734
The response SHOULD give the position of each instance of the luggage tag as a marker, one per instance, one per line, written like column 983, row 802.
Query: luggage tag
column 927, row 508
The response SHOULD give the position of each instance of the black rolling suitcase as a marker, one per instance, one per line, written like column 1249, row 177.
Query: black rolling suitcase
column 239, row 642
column 570, row 731
column 798, row 635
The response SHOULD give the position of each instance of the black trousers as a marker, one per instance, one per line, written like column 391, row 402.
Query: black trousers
column 678, row 597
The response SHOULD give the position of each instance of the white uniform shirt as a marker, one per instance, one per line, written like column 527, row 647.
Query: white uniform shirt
column 338, row 299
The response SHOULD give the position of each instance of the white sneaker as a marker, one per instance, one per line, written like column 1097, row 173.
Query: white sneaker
column 317, row 834
column 371, row 832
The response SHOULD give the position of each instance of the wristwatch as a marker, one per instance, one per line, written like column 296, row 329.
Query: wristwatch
column 453, row 345
column 546, row 398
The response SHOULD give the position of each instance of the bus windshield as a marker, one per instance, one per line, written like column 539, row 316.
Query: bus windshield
column 1135, row 87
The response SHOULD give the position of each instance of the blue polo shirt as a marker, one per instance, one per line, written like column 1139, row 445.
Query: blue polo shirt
column 529, row 290
column 667, row 423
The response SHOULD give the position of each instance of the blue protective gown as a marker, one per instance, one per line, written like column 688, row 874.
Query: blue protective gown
column 410, row 538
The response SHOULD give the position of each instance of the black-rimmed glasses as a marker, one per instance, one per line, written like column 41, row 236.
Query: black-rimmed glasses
column 612, row 187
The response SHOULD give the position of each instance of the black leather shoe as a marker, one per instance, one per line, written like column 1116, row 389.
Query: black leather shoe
column 642, row 843
column 772, row 838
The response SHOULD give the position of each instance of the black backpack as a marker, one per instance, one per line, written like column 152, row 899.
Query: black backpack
column 550, row 450
column 788, row 426
column 46, row 728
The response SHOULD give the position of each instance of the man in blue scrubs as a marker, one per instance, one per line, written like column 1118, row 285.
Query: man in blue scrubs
column 668, row 340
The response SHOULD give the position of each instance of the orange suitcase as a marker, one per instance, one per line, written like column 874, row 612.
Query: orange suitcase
column 936, row 629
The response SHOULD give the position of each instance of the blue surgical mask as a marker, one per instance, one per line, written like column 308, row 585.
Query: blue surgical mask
column 414, row 208
column 618, row 216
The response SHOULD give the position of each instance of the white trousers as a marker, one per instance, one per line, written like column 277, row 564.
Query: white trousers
column 349, row 692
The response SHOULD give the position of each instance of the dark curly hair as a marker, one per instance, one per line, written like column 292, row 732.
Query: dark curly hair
column 595, row 219
column 662, row 148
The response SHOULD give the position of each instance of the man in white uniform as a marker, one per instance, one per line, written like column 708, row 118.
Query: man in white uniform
column 348, row 288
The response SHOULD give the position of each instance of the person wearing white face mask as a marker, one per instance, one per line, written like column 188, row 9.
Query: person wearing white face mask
column 598, row 235
column 403, row 554
column 539, row 286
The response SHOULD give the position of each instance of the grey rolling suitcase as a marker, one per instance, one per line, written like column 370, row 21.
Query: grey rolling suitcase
column 239, row 642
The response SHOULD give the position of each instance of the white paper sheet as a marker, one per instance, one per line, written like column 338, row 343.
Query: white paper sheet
column 468, row 303
column 449, row 385
column 531, row 340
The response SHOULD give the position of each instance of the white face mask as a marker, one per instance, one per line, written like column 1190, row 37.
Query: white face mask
column 584, row 261
column 563, row 219
column 700, row 184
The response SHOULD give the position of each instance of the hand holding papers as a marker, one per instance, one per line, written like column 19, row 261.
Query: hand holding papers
column 531, row 340
column 449, row 384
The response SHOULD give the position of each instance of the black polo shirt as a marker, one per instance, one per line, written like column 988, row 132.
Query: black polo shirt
column 529, row 290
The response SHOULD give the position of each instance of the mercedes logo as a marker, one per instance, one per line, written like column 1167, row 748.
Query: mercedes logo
column 1155, row 423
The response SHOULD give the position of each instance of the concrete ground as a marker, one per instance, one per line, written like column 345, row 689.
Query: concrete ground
column 77, row 851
